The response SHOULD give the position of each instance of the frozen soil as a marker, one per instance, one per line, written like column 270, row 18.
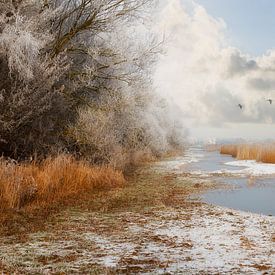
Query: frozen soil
column 175, row 234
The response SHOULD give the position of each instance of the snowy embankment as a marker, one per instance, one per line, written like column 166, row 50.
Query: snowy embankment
column 247, row 168
column 177, row 164
column 251, row 167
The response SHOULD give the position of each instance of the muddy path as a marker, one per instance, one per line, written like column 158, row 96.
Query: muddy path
column 150, row 227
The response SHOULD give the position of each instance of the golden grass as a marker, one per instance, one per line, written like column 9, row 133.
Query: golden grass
column 55, row 180
column 229, row 149
column 249, row 152
column 267, row 154
column 260, row 152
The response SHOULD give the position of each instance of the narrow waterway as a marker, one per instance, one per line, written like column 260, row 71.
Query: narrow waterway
column 251, row 185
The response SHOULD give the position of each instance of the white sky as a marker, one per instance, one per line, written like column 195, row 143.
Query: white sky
column 208, row 77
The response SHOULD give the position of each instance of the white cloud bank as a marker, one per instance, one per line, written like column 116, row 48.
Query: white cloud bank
column 207, row 77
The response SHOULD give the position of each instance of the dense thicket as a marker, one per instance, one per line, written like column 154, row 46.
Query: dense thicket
column 76, row 76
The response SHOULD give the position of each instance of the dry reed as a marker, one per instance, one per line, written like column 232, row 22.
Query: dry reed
column 260, row 152
column 267, row 154
column 229, row 149
column 55, row 180
column 249, row 152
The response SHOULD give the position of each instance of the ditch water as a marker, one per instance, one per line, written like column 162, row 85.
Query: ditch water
column 251, row 184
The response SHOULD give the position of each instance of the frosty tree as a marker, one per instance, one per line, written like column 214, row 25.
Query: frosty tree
column 76, row 76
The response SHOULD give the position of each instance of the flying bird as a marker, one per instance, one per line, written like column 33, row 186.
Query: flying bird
column 240, row 106
column 269, row 100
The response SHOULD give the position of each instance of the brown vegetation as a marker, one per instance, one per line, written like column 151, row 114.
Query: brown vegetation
column 55, row 180
column 259, row 152
column 268, row 154
column 249, row 151
column 229, row 149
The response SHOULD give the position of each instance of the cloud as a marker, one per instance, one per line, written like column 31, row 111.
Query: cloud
column 239, row 64
column 208, row 77
column 261, row 84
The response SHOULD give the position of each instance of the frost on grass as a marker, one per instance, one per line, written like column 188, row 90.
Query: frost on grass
column 197, row 239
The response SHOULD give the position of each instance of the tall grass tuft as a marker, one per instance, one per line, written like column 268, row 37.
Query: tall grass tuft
column 229, row 149
column 267, row 154
column 53, row 181
column 249, row 152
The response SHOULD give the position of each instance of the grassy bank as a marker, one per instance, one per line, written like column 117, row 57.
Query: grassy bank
column 260, row 152
column 69, row 184
column 77, row 239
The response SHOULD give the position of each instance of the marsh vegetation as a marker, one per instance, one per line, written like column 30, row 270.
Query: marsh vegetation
column 260, row 152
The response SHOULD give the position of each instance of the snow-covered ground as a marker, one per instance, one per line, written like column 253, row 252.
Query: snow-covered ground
column 197, row 240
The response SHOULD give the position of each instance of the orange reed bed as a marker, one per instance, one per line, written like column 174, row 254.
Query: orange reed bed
column 55, row 180
column 260, row 152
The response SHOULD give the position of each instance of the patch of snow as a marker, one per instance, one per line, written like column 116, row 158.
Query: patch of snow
column 214, row 240
column 253, row 168
column 249, row 168
column 217, row 242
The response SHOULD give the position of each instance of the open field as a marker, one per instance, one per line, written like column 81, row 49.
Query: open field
column 260, row 152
